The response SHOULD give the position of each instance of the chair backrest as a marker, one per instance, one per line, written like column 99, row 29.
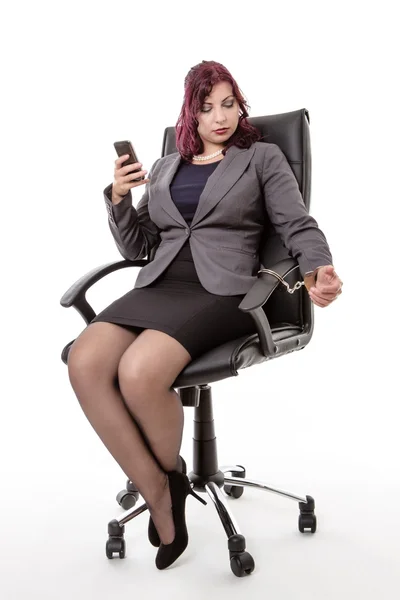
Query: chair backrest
column 290, row 131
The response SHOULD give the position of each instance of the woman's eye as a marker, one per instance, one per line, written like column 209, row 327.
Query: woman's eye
column 226, row 106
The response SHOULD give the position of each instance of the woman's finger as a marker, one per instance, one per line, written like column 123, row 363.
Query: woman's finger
column 323, row 295
column 328, row 289
column 137, row 183
column 318, row 301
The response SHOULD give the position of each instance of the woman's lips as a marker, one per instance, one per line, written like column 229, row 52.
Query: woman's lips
column 221, row 131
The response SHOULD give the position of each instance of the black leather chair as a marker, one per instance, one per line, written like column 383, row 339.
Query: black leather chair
column 283, row 314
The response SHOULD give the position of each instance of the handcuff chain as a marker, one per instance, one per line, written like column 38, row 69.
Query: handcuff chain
column 296, row 286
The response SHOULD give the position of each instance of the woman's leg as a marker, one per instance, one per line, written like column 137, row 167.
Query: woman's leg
column 146, row 372
column 93, row 368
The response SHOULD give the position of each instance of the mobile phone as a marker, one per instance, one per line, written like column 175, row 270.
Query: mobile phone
column 125, row 147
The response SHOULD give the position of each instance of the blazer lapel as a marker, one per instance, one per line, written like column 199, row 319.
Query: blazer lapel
column 167, row 172
column 222, row 179
column 218, row 184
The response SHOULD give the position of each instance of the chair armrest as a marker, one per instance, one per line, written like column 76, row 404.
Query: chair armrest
column 75, row 295
column 257, row 296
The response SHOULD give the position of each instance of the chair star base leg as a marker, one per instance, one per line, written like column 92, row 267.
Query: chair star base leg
column 241, row 562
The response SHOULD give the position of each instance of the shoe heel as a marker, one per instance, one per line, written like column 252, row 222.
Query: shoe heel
column 197, row 496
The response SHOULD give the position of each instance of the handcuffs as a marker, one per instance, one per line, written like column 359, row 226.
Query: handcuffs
column 296, row 286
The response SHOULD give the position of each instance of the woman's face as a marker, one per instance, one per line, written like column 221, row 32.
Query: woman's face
column 220, row 110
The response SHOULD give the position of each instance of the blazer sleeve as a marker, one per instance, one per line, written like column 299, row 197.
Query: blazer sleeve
column 288, row 214
column 132, row 229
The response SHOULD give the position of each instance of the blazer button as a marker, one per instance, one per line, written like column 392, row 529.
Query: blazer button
column 187, row 231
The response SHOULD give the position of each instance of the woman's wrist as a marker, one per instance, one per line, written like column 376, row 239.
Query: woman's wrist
column 116, row 198
column 311, row 277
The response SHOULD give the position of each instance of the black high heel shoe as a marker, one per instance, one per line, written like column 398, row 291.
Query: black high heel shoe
column 180, row 488
column 154, row 538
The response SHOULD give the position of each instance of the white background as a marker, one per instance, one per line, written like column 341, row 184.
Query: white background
column 324, row 421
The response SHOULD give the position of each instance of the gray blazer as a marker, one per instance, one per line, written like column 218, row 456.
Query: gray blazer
column 246, row 188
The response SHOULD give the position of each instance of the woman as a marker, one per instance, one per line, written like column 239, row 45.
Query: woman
column 122, row 366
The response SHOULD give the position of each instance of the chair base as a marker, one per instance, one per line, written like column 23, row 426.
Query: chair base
column 208, row 477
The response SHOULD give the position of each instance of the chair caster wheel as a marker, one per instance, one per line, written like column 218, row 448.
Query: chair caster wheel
column 127, row 498
column 115, row 545
column 242, row 564
column 235, row 491
column 115, row 542
column 308, row 522
column 307, row 518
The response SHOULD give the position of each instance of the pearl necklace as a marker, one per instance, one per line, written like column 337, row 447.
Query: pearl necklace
column 196, row 157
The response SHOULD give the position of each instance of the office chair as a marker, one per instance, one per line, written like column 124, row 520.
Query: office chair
column 283, row 315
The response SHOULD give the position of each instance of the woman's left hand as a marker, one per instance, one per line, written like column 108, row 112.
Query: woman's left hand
column 327, row 287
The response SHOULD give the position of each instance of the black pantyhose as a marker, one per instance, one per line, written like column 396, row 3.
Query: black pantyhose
column 92, row 366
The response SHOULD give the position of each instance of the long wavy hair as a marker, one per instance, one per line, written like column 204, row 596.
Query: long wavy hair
column 198, row 85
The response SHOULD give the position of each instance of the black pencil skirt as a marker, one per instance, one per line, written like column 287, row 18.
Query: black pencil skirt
column 177, row 304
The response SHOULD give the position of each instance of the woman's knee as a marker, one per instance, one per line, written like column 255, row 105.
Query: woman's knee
column 84, row 362
column 96, row 352
column 150, row 366
column 135, row 381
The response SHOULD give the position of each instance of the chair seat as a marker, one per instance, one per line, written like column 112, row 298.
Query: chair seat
column 225, row 360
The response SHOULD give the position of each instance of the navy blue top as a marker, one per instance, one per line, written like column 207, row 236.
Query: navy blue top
column 187, row 185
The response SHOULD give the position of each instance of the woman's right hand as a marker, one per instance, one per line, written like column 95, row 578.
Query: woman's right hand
column 123, row 177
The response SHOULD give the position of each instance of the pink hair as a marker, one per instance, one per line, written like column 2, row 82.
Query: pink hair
column 198, row 85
